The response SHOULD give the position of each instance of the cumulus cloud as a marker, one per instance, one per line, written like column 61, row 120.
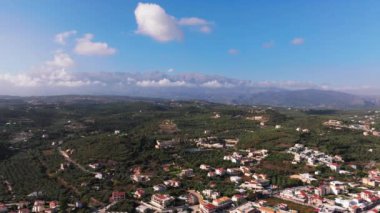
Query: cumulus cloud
column 162, row 83
column 297, row 41
column 268, row 44
column 85, row 46
column 153, row 21
column 233, row 51
column 61, row 60
column 61, row 38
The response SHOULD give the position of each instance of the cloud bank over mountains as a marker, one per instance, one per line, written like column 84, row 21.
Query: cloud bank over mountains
column 60, row 81
column 181, row 86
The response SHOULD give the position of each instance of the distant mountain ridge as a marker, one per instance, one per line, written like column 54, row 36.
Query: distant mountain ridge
column 182, row 86
column 308, row 98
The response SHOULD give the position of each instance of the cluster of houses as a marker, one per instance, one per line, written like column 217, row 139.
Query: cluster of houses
column 27, row 207
column 250, row 156
column 340, row 201
column 213, row 142
column 373, row 178
column 364, row 125
column 315, row 157
column 225, row 204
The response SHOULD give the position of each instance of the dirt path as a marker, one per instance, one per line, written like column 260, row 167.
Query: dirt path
column 69, row 159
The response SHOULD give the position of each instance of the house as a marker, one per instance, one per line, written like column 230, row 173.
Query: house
column 117, row 196
column 322, row 190
column 238, row 198
column 233, row 171
column 245, row 169
column 252, row 185
column 139, row 193
column 38, row 206
column 159, row 188
column 160, row 144
column 208, row 193
column 334, row 166
column 186, row 173
column 53, row 204
column 231, row 142
column 371, row 181
column 161, row 200
column 94, row 165
column 247, row 207
column 222, row 202
column 235, row 179
column 207, row 208
column 211, row 174
column 220, row 171
column 205, row 167
column 338, row 187
column 172, row 183
column 99, row 175
column 142, row 209
column 139, row 178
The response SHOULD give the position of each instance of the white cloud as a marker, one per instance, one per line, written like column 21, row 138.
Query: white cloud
column 20, row 80
column 61, row 60
column 85, row 46
column 297, row 41
column 233, row 51
column 268, row 44
column 153, row 21
column 60, row 38
column 202, row 25
column 162, row 83
column 48, row 78
column 212, row 84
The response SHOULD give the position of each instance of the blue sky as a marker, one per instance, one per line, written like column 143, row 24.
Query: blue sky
column 323, row 42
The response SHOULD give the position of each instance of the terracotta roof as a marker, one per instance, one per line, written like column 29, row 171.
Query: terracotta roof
column 208, row 206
